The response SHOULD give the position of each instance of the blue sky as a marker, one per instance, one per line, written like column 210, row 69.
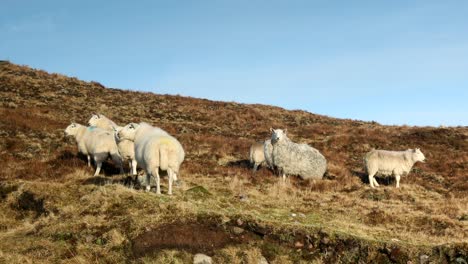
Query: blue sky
column 394, row 62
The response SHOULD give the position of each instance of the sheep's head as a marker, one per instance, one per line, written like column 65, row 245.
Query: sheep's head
column 116, row 130
column 128, row 131
column 72, row 129
column 277, row 134
column 95, row 119
column 418, row 155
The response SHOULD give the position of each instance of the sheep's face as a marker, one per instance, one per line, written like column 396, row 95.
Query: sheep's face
column 116, row 132
column 128, row 131
column 418, row 155
column 95, row 119
column 277, row 135
column 71, row 130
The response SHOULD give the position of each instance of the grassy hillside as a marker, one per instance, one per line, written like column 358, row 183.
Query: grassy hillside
column 53, row 210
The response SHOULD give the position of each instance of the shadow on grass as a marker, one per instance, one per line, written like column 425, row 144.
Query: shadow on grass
column 127, row 181
column 240, row 164
column 383, row 180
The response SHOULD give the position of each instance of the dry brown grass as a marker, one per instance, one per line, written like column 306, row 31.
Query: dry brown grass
column 87, row 221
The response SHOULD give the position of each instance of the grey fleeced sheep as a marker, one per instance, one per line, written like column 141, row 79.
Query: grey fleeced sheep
column 268, row 152
column 96, row 143
column 296, row 159
column 386, row 162
column 126, row 147
column 256, row 155
column 155, row 150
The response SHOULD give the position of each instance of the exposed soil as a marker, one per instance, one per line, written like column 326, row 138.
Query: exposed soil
column 209, row 236
column 192, row 237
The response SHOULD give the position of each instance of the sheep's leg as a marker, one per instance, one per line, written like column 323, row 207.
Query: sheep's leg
column 255, row 166
column 148, row 182
column 284, row 177
column 371, row 179
column 397, row 177
column 375, row 182
column 130, row 166
column 98, row 167
column 89, row 160
column 134, row 167
column 170, row 175
column 158, row 186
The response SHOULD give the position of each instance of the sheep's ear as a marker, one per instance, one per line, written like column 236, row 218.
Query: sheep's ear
column 285, row 131
column 271, row 129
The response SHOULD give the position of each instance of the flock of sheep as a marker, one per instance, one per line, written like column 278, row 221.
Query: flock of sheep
column 154, row 150
column 288, row 158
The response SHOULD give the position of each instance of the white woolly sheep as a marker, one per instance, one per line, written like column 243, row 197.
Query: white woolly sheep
column 256, row 155
column 387, row 163
column 102, row 121
column 155, row 150
column 296, row 159
column 95, row 142
column 126, row 147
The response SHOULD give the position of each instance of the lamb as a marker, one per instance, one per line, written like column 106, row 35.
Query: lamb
column 256, row 155
column 126, row 147
column 386, row 163
column 96, row 143
column 296, row 159
column 155, row 150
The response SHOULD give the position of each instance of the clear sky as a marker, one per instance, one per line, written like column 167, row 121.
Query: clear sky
column 394, row 62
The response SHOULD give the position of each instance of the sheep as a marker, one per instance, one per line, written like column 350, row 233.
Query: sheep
column 386, row 163
column 155, row 150
column 268, row 153
column 95, row 142
column 256, row 155
column 126, row 147
column 102, row 121
column 296, row 159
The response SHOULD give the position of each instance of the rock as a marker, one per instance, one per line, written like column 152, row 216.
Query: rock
column 225, row 219
column 243, row 197
column 12, row 105
column 262, row 260
column 237, row 230
column 423, row 259
column 202, row 259
column 299, row 244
